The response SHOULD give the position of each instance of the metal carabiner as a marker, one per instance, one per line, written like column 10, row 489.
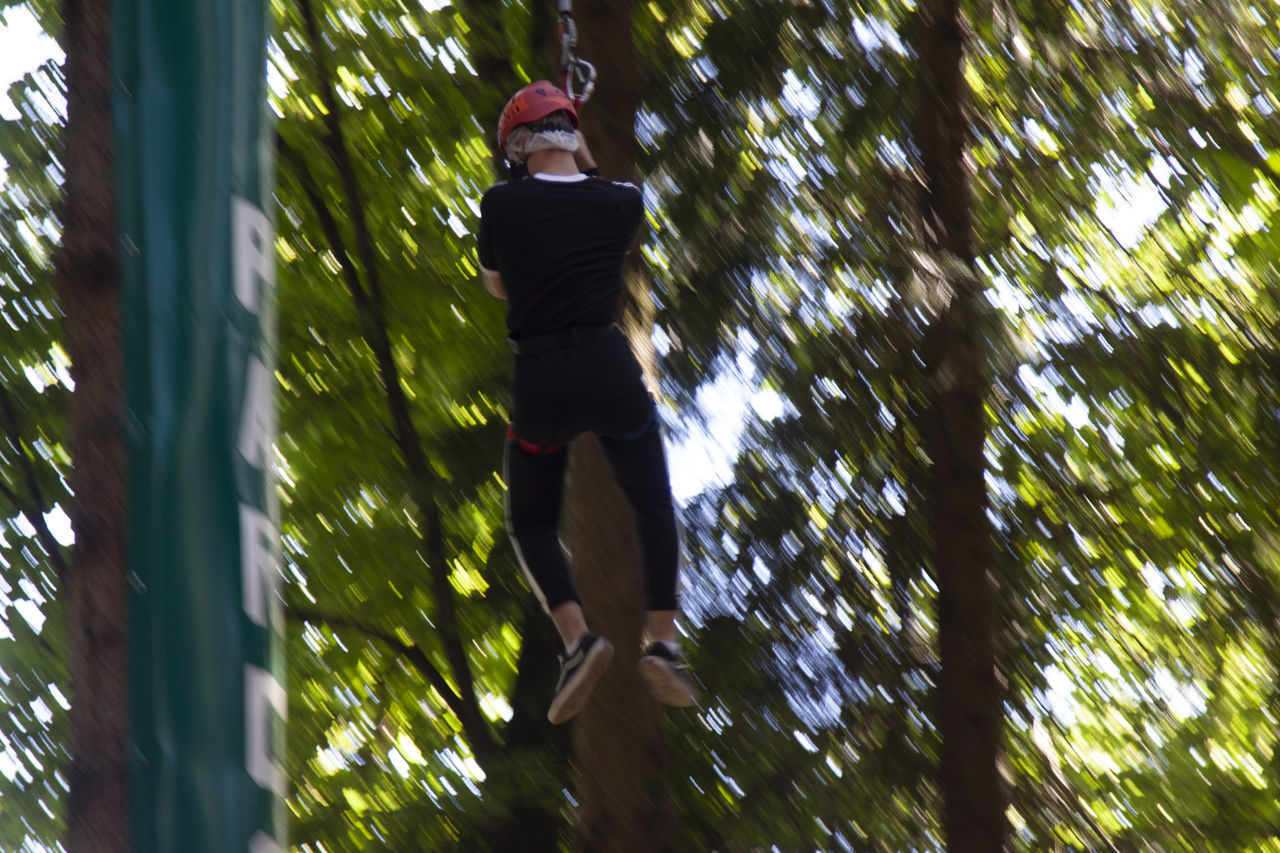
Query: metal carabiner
column 568, row 40
column 579, row 75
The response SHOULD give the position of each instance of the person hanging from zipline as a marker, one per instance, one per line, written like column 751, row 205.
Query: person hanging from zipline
column 553, row 244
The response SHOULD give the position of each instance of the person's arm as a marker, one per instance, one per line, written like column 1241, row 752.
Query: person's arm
column 582, row 157
column 488, row 259
column 493, row 283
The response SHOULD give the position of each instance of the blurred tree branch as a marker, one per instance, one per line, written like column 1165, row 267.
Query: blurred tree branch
column 416, row 657
column 367, row 294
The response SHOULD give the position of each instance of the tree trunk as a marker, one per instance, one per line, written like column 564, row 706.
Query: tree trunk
column 534, row 759
column 620, row 750
column 88, row 291
column 954, row 432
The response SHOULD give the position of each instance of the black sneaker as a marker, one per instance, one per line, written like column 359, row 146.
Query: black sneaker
column 667, row 676
column 579, row 672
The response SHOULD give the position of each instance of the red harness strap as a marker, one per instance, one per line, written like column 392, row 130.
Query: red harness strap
column 529, row 446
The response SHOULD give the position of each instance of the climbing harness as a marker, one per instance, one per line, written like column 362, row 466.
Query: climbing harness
column 579, row 75
column 529, row 446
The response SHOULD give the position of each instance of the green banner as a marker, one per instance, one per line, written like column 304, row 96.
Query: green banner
column 193, row 143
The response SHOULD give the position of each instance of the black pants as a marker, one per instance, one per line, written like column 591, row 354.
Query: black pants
column 562, row 387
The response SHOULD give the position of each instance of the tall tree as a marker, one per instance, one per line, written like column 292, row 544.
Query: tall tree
column 620, row 749
column 953, row 428
column 395, row 368
column 94, row 579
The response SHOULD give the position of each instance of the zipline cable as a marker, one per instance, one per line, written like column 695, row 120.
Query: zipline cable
column 579, row 75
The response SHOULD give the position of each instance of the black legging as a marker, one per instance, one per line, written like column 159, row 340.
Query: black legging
column 592, row 385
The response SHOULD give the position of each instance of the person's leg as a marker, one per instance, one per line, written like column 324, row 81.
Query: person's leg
column 640, row 466
column 661, row 625
column 570, row 622
column 535, row 477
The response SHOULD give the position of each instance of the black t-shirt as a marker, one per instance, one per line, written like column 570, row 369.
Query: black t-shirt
column 559, row 244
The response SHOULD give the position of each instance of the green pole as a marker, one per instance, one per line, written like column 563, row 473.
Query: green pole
column 193, row 171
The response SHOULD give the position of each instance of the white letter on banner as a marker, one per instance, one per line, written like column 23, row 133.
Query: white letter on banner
column 262, row 695
column 259, row 565
column 258, row 417
column 253, row 249
column 263, row 843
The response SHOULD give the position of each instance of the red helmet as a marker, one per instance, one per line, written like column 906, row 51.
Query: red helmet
column 537, row 100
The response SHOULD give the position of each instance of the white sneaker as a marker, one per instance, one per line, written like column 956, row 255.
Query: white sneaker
column 667, row 676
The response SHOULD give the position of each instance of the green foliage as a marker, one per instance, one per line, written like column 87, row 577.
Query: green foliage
column 1126, row 171
column 380, row 166
column 34, row 382
column 1137, row 389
